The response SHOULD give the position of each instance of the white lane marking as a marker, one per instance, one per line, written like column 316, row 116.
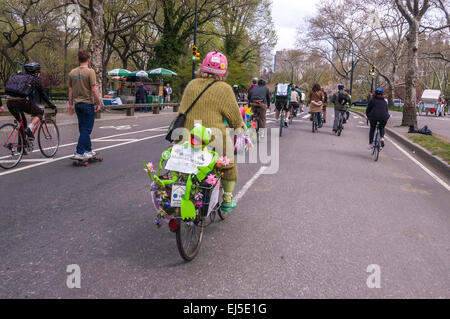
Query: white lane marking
column 135, row 132
column 249, row 183
column 35, row 160
column 362, row 126
column 99, row 139
column 307, row 116
column 436, row 178
column 116, row 140
column 68, row 156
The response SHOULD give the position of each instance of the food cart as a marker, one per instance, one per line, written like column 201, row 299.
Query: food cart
column 432, row 102
column 123, row 84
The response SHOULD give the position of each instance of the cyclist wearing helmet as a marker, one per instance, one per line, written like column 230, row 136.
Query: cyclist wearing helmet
column 215, row 105
column 377, row 111
column 254, row 83
column 236, row 92
column 339, row 99
column 259, row 98
column 18, row 104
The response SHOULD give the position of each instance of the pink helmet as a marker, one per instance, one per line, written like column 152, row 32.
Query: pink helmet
column 215, row 63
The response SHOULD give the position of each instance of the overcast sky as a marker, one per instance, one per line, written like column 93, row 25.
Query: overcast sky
column 287, row 16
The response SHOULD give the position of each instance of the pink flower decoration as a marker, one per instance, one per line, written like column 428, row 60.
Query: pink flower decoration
column 150, row 166
column 199, row 205
column 223, row 161
column 198, row 196
column 211, row 179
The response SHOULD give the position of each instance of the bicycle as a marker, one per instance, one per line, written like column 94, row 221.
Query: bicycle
column 377, row 147
column 256, row 118
column 14, row 142
column 187, row 217
column 189, row 233
column 282, row 120
column 340, row 126
column 292, row 114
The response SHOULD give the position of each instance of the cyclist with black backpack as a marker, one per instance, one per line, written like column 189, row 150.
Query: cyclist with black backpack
column 282, row 100
column 21, row 88
column 340, row 100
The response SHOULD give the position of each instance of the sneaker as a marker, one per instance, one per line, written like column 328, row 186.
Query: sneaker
column 77, row 156
column 227, row 207
column 29, row 134
column 382, row 142
column 285, row 124
column 91, row 154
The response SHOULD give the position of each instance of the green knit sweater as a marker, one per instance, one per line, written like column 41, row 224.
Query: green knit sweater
column 215, row 105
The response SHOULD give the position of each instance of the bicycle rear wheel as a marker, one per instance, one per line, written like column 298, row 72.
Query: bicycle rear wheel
column 376, row 146
column 340, row 125
column 11, row 145
column 314, row 122
column 48, row 138
column 189, row 237
column 282, row 117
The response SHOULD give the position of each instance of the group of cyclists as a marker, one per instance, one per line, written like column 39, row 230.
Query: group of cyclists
column 220, row 104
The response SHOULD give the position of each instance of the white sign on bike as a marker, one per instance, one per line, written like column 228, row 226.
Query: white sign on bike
column 186, row 159
column 178, row 191
column 214, row 198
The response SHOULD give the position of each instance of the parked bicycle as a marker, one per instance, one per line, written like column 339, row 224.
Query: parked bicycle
column 14, row 142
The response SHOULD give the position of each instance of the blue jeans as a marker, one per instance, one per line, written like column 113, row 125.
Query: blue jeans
column 142, row 101
column 86, row 116
column 319, row 118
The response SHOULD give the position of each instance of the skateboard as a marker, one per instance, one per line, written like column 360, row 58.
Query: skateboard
column 85, row 162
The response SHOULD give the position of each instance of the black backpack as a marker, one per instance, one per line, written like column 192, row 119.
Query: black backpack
column 20, row 85
column 342, row 98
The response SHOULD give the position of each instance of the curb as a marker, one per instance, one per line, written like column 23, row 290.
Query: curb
column 435, row 162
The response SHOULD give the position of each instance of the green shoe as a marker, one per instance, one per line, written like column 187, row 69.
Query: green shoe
column 228, row 207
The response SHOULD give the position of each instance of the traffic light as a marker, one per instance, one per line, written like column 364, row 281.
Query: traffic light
column 372, row 71
column 194, row 53
column 197, row 56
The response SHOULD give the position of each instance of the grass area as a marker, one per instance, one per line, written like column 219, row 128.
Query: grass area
column 434, row 144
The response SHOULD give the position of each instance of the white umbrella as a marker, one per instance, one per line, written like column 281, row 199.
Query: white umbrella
column 140, row 74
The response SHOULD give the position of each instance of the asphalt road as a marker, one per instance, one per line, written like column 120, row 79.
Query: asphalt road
column 308, row 231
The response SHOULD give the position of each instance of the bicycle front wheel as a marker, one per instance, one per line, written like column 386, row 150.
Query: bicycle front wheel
column 48, row 138
column 11, row 146
column 189, row 238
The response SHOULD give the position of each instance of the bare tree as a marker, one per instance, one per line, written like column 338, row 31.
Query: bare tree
column 93, row 14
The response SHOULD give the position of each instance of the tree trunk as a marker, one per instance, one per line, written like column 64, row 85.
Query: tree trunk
column 409, row 109
column 97, row 43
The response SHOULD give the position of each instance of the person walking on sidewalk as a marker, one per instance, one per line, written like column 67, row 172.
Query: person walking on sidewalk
column 83, row 93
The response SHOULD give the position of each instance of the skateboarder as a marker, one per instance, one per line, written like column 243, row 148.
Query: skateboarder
column 83, row 93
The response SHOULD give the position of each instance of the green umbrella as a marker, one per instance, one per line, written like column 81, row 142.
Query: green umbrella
column 118, row 72
column 161, row 72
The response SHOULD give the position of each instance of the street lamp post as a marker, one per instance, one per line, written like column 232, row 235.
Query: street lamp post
column 351, row 74
column 195, row 38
